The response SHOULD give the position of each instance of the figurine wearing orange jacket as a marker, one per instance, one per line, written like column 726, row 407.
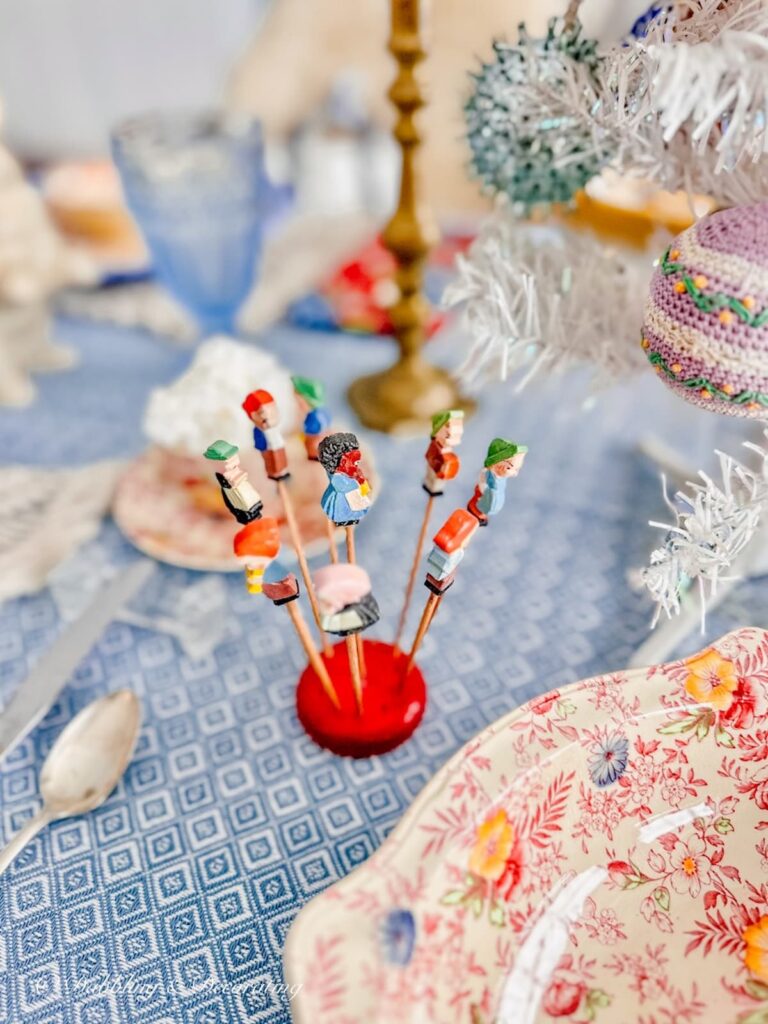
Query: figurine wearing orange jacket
column 449, row 545
column 442, row 463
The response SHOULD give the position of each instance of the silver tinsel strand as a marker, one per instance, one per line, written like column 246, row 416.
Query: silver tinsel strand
column 713, row 524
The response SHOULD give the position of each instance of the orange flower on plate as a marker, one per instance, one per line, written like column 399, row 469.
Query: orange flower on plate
column 494, row 843
column 756, row 953
column 711, row 680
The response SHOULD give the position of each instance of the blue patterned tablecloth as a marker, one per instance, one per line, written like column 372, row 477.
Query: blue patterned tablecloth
column 172, row 902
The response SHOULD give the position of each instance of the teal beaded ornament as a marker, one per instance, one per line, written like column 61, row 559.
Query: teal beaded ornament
column 522, row 146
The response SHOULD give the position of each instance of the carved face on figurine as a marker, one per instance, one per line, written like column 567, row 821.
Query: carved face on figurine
column 266, row 416
column 509, row 467
column 262, row 410
column 448, row 428
column 505, row 458
column 340, row 453
column 350, row 464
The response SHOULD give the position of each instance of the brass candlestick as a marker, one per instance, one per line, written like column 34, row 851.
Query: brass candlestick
column 403, row 398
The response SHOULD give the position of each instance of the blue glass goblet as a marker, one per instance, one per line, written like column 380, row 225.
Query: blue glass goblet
column 197, row 187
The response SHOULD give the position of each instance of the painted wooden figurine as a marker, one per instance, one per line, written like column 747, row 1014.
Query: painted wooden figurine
column 449, row 545
column 256, row 545
column 442, row 462
column 504, row 460
column 282, row 591
column 262, row 411
column 346, row 500
column 239, row 495
column 310, row 397
column 347, row 605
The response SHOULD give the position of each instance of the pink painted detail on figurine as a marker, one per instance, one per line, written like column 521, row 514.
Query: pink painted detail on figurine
column 344, row 595
column 282, row 591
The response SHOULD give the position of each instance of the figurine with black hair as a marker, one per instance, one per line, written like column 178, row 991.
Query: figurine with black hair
column 346, row 499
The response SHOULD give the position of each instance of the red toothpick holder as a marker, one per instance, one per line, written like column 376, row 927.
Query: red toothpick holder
column 393, row 703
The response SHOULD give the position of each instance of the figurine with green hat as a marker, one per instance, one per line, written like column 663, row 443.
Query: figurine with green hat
column 503, row 460
column 442, row 465
column 310, row 396
column 442, row 462
column 239, row 495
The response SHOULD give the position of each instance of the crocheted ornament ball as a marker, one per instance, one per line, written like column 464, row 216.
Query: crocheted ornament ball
column 520, row 148
column 706, row 318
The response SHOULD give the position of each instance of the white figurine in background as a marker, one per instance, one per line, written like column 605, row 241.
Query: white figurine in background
column 34, row 263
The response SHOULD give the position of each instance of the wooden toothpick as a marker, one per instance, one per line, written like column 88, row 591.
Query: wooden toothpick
column 350, row 532
column 442, row 465
column 354, row 668
column 312, row 652
column 334, row 551
column 358, row 638
column 293, row 529
column 430, row 608
column 414, row 569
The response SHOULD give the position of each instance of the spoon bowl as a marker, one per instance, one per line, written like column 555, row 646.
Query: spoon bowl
column 90, row 755
column 84, row 764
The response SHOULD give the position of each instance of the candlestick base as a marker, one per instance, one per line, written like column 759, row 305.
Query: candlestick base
column 393, row 706
column 402, row 399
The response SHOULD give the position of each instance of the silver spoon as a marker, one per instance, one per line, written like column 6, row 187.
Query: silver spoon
column 84, row 764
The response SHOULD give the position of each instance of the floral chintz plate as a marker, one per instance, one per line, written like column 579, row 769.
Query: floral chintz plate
column 600, row 854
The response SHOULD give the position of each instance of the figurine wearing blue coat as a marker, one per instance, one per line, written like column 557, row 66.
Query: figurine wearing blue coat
column 504, row 459
column 346, row 499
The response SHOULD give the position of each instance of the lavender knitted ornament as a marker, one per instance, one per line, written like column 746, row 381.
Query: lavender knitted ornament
column 706, row 318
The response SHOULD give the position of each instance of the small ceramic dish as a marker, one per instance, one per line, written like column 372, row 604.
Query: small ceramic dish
column 599, row 854
column 170, row 507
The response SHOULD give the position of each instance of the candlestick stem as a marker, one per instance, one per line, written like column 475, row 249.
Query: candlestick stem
column 403, row 398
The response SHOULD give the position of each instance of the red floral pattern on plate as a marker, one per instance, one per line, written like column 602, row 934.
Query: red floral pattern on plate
column 596, row 855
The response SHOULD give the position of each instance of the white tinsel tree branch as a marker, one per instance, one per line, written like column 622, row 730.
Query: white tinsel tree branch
column 535, row 299
column 714, row 522
column 725, row 98
column 684, row 106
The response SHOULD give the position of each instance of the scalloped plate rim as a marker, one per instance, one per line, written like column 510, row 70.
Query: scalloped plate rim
column 395, row 840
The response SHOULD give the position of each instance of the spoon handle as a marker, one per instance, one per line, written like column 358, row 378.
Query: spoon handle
column 26, row 834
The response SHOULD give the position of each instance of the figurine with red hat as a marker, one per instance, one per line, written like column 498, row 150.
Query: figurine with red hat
column 262, row 411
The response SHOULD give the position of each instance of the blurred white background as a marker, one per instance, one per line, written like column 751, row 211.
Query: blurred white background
column 69, row 69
